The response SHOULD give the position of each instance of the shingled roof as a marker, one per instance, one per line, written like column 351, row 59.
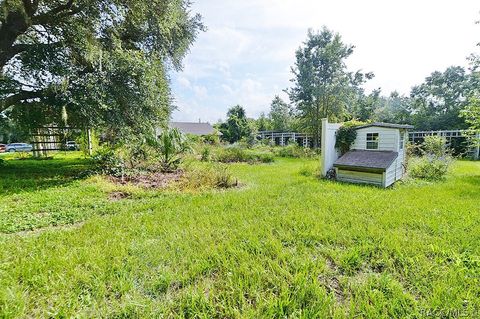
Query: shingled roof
column 367, row 159
column 193, row 128
column 387, row 125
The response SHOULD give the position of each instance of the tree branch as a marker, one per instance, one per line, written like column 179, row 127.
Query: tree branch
column 51, row 15
column 20, row 97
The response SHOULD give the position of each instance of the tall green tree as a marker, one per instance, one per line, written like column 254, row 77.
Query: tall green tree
column 364, row 106
column 471, row 114
column 394, row 109
column 101, row 62
column 322, row 85
column 236, row 126
column 280, row 114
column 438, row 101
column 263, row 123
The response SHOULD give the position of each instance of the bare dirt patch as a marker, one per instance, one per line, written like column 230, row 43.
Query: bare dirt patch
column 116, row 196
column 332, row 283
column 150, row 180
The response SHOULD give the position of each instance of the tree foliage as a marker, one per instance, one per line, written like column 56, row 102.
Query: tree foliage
column 436, row 103
column 102, row 62
column 237, row 125
column 395, row 108
column 280, row 114
column 322, row 85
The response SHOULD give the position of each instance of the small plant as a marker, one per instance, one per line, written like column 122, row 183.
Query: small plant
column 205, row 154
column 435, row 161
column 430, row 167
column 108, row 162
column 172, row 146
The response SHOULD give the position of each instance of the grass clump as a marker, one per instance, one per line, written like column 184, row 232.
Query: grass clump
column 210, row 176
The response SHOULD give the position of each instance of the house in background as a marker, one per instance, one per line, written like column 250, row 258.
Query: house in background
column 192, row 128
column 377, row 155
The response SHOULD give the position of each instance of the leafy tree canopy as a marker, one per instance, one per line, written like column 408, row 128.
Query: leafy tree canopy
column 395, row 108
column 322, row 85
column 280, row 114
column 237, row 125
column 92, row 62
column 438, row 101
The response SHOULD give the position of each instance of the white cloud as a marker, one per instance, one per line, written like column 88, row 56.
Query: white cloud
column 246, row 54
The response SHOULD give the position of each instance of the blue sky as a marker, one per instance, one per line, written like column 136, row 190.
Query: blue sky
column 245, row 55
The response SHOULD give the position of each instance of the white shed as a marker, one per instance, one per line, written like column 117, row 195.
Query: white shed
column 376, row 157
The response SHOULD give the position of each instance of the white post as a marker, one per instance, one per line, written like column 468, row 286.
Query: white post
column 329, row 154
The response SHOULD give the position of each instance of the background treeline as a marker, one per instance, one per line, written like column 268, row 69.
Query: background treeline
column 322, row 86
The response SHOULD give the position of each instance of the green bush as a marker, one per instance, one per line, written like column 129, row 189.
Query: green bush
column 435, row 145
column 294, row 150
column 2, row 162
column 430, row 167
column 238, row 155
column 346, row 135
column 108, row 162
column 435, row 162
column 264, row 157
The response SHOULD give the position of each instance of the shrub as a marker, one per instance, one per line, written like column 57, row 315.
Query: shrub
column 294, row 150
column 2, row 162
column 237, row 155
column 346, row 135
column 435, row 145
column 213, row 139
column 231, row 155
column 430, row 167
column 264, row 157
column 108, row 162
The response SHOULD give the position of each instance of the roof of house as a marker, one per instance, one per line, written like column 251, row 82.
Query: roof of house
column 193, row 128
column 367, row 159
column 387, row 125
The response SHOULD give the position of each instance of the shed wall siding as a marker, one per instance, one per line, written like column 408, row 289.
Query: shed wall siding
column 388, row 138
column 390, row 174
column 359, row 177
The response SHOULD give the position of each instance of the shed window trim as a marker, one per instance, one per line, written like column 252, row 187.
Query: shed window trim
column 372, row 141
column 402, row 140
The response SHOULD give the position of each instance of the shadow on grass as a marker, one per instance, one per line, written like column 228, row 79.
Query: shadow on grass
column 27, row 175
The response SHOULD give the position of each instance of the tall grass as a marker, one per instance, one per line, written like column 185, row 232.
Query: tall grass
column 287, row 245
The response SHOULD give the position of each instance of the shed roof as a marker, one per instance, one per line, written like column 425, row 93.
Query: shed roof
column 387, row 125
column 367, row 159
column 193, row 128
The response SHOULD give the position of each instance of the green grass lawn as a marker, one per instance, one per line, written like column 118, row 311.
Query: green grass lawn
column 286, row 244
